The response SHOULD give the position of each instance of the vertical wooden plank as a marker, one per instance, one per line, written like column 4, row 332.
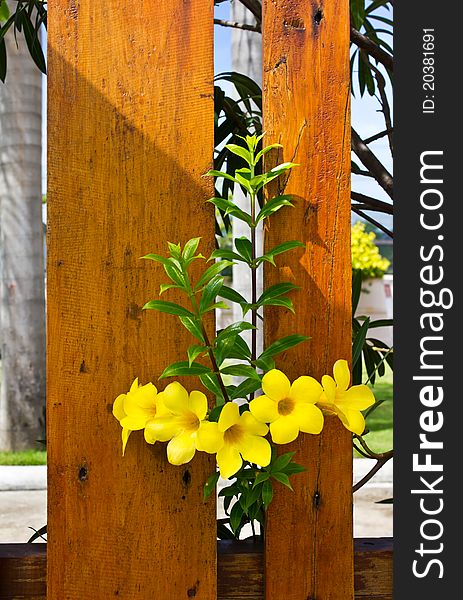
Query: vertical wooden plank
column 309, row 548
column 130, row 134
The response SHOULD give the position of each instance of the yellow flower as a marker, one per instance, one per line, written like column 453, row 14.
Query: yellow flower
column 135, row 409
column 242, row 439
column 346, row 402
column 288, row 408
column 179, row 425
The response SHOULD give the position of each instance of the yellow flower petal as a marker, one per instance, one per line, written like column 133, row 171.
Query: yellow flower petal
column 252, row 425
column 329, row 387
column 198, row 404
column 134, row 422
column 264, row 409
column 352, row 420
column 284, row 430
column 229, row 416
column 136, row 405
column 134, row 386
column 229, row 461
column 358, row 397
column 276, row 385
column 145, row 396
column 308, row 417
column 125, row 438
column 118, row 407
column 162, row 429
column 341, row 374
column 175, row 398
column 306, row 389
column 181, row 449
column 209, row 438
column 255, row 449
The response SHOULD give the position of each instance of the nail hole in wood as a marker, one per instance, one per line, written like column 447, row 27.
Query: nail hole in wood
column 186, row 477
column 318, row 16
column 83, row 473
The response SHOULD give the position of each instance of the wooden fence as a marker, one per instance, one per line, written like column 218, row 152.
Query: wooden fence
column 130, row 134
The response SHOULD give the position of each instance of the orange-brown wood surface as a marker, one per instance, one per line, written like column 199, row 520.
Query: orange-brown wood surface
column 130, row 134
column 309, row 553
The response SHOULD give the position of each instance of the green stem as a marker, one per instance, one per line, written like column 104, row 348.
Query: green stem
column 253, row 278
column 210, row 351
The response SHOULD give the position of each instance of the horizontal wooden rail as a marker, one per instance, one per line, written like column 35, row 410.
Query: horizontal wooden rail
column 23, row 570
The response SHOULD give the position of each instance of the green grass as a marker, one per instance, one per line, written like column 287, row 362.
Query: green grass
column 379, row 422
column 25, row 457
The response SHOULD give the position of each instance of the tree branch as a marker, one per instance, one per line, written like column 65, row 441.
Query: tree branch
column 378, row 136
column 255, row 7
column 385, row 109
column 364, row 43
column 369, row 160
column 379, row 464
column 372, row 221
column 375, row 204
column 236, row 25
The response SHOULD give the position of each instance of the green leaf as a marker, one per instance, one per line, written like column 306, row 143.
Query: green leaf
column 277, row 290
column 220, row 304
column 184, row 368
column 281, row 462
column 166, row 286
column 283, row 344
column 210, row 484
column 210, row 291
column 240, row 151
column 190, row 248
column 267, row 493
column 210, row 382
column 193, row 327
column 265, row 363
column 212, row 271
column 236, row 515
column 223, row 533
column 241, row 371
column 157, row 258
column 4, row 11
column 274, row 173
column 175, row 250
column 264, row 151
column 261, row 477
column 227, row 254
column 229, row 491
column 234, row 329
column 244, row 247
column 294, row 468
column 232, row 295
column 273, row 206
column 174, row 273
column 33, row 42
column 283, row 478
column 280, row 249
column 194, row 351
column 168, row 307
column 214, row 173
column 285, row 302
column 359, row 341
column 356, row 288
column 248, row 386
column 229, row 208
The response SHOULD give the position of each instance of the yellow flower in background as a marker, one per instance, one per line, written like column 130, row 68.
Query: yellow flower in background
column 136, row 408
column 289, row 408
column 242, row 439
column 179, row 425
column 346, row 402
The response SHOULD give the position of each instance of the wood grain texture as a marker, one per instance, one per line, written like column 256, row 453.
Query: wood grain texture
column 130, row 133
column 240, row 570
column 307, row 109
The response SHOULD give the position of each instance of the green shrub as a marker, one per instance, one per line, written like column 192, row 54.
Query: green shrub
column 366, row 257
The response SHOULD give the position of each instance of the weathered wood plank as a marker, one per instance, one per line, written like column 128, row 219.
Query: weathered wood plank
column 306, row 109
column 130, row 133
column 240, row 570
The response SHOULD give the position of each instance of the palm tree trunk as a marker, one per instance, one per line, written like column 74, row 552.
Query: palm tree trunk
column 22, row 299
